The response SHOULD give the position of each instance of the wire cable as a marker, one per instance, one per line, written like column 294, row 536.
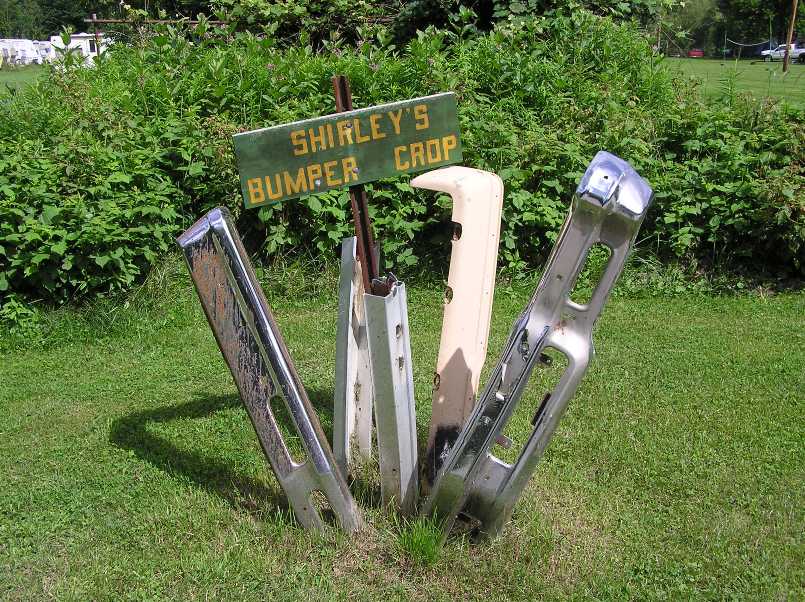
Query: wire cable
column 757, row 44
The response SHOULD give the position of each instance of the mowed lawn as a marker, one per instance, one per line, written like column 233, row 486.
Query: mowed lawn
column 129, row 469
column 755, row 76
column 758, row 77
column 18, row 77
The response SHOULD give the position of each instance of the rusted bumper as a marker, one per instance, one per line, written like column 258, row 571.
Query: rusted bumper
column 261, row 366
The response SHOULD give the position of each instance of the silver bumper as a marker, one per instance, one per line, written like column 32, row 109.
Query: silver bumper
column 261, row 366
column 608, row 208
column 352, row 402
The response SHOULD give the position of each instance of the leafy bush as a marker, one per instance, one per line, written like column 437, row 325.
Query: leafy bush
column 309, row 21
column 83, row 213
column 317, row 21
column 102, row 167
column 732, row 190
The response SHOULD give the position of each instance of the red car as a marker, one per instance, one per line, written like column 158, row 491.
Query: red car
column 695, row 53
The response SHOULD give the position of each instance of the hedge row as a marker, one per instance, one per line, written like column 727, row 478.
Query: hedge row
column 100, row 168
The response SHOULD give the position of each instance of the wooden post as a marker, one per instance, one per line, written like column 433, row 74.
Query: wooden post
column 97, row 37
column 787, row 57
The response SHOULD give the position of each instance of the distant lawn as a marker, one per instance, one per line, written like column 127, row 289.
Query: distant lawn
column 129, row 469
column 18, row 77
column 760, row 78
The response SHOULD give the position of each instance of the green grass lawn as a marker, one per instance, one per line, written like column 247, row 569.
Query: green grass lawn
column 760, row 78
column 129, row 469
column 17, row 77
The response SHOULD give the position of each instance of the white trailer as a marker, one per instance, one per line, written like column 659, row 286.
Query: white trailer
column 18, row 51
column 45, row 51
column 84, row 43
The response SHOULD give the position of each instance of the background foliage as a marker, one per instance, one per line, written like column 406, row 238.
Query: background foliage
column 706, row 23
column 101, row 168
column 38, row 19
column 677, row 25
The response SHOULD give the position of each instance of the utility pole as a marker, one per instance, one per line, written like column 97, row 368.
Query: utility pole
column 97, row 36
column 770, row 35
column 787, row 57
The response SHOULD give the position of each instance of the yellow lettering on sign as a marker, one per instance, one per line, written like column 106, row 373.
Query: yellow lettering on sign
column 356, row 124
column 256, row 194
column 417, row 154
column 398, row 162
column 448, row 144
column 344, row 132
column 295, row 186
column 374, row 118
column 332, row 180
column 433, row 150
column 314, row 176
column 274, row 193
column 299, row 142
column 395, row 120
column 421, row 154
column 314, row 139
column 421, row 116
column 330, row 135
column 350, row 167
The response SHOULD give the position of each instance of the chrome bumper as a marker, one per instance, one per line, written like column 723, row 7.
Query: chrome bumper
column 608, row 208
column 261, row 366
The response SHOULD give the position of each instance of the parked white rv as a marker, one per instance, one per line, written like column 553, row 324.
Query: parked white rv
column 84, row 43
column 19, row 52
column 45, row 51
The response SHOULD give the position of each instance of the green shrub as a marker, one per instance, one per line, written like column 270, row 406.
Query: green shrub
column 398, row 21
column 732, row 191
column 83, row 213
column 308, row 20
column 102, row 167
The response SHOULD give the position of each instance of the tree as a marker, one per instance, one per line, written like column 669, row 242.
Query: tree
column 750, row 20
column 37, row 19
column 21, row 19
column 697, row 24
column 71, row 13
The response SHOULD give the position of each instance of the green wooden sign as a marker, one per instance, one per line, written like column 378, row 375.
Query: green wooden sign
column 344, row 149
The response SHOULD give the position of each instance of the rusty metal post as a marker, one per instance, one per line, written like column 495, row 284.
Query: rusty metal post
column 354, row 389
column 385, row 316
column 367, row 254
column 261, row 366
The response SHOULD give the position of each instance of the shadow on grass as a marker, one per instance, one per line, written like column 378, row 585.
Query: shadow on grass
column 211, row 474
column 322, row 402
